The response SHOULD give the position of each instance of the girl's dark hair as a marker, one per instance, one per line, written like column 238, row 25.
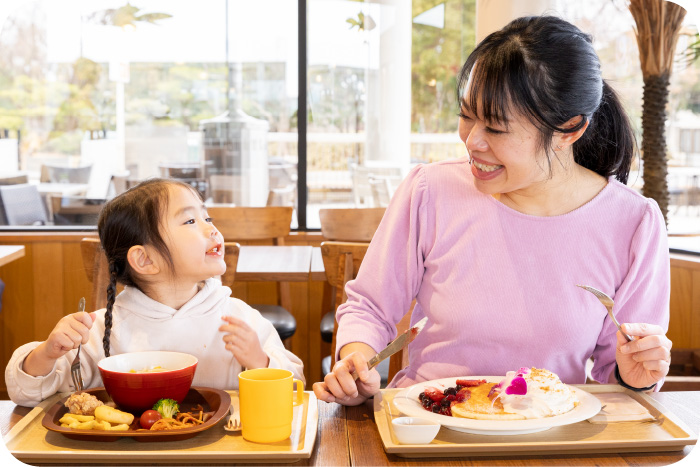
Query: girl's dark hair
column 546, row 69
column 132, row 218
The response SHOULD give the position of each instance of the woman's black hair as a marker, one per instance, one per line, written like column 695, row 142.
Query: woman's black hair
column 545, row 68
column 132, row 218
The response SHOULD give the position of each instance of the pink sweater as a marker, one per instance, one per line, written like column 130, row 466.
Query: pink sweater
column 498, row 286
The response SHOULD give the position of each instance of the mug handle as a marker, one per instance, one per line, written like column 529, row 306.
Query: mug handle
column 299, row 391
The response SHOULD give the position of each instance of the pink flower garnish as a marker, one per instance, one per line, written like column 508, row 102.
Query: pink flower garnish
column 523, row 371
column 518, row 386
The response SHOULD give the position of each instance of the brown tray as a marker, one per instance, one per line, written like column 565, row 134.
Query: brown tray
column 30, row 442
column 665, row 433
column 211, row 400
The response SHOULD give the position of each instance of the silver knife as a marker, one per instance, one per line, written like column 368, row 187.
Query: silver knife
column 394, row 346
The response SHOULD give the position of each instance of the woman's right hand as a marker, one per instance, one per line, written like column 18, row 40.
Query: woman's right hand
column 340, row 386
column 69, row 332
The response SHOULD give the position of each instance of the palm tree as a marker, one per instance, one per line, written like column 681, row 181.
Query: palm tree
column 658, row 26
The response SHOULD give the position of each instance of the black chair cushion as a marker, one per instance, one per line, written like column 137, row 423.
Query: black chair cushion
column 327, row 325
column 281, row 319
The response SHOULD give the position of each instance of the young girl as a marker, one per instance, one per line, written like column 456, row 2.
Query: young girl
column 163, row 247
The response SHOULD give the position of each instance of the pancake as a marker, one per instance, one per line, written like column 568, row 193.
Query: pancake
column 482, row 407
column 529, row 393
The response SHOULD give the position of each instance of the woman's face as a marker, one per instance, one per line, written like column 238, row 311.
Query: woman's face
column 196, row 246
column 505, row 158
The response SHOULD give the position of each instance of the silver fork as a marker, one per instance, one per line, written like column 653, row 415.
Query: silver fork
column 75, row 372
column 608, row 303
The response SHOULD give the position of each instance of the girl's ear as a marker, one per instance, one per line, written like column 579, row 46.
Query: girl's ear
column 142, row 261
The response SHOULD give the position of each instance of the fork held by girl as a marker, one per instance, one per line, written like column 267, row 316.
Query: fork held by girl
column 163, row 247
column 491, row 250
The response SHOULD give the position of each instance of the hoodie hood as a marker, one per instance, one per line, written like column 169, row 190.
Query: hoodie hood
column 209, row 299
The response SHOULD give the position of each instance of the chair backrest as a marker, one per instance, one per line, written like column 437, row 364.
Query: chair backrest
column 350, row 225
column 252, row 223
column 232, row 251
column 14, row 179
column 341, row 261
column 97, row 269
column 76, row 210
column 21, row 205
column 62, row 174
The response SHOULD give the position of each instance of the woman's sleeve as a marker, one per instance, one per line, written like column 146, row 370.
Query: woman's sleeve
column 644, row 294
column 391, row 271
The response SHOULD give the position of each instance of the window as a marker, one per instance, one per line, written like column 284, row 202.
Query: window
column 98, row 95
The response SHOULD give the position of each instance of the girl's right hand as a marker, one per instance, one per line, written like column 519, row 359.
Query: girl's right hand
column 340, row 386
column 70, row 331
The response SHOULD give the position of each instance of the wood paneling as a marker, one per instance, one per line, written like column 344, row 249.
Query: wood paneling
column 48, row 281
column 684, row 327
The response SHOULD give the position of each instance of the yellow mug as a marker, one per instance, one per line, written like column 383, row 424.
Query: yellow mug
column 266, row 401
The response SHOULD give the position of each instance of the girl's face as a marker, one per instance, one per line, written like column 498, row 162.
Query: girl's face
column 196, row 247
column 504, row 158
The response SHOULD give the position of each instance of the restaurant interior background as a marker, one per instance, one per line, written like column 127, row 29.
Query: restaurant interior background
column 97, row 95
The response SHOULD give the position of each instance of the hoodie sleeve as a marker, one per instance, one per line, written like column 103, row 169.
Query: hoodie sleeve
column 271, row 343
column 27, row 390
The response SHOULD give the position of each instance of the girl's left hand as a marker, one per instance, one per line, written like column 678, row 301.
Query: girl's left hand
column 243, row 342
column 646, row 359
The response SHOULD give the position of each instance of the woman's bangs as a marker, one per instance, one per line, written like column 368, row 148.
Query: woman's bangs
column 486, row 95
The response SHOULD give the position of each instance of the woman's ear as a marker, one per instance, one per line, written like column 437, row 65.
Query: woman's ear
column 566, row 140
column 142, row 261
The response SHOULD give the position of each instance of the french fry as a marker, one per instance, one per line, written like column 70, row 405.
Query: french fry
column 120, row 427
column 89, row 425
column 102, row 425
column 70, row 417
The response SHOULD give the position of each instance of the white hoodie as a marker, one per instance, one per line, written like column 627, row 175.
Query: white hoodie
column 140, row 323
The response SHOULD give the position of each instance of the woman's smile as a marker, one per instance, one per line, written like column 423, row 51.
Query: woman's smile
column 484, row 171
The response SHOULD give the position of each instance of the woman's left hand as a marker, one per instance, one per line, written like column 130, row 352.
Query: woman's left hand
column 646, row 359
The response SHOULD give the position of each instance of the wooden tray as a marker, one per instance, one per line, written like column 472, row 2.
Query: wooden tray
column 30, row 442
column 665, row 433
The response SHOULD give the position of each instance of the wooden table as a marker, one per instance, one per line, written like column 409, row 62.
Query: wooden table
column 274, row 263
column 348, row 436
column 9, row 253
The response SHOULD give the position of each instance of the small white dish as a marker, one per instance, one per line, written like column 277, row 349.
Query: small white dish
column 414, row 430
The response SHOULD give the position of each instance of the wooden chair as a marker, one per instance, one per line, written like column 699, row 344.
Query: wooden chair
column 259, row 225
column 350, row 225
column 343, row 225
column 97, row 269
column 341, row 261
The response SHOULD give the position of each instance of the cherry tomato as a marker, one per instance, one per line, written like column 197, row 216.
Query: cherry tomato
column 148, row 418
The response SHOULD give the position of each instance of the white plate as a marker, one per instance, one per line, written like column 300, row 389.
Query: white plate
column 407, row 402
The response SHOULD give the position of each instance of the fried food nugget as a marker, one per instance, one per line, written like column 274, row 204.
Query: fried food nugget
column 113, row 416
column 82, row 403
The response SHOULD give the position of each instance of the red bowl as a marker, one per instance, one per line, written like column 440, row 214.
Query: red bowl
column 136, row 391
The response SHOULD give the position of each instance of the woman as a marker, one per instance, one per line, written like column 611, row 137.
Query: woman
column 492, row 246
